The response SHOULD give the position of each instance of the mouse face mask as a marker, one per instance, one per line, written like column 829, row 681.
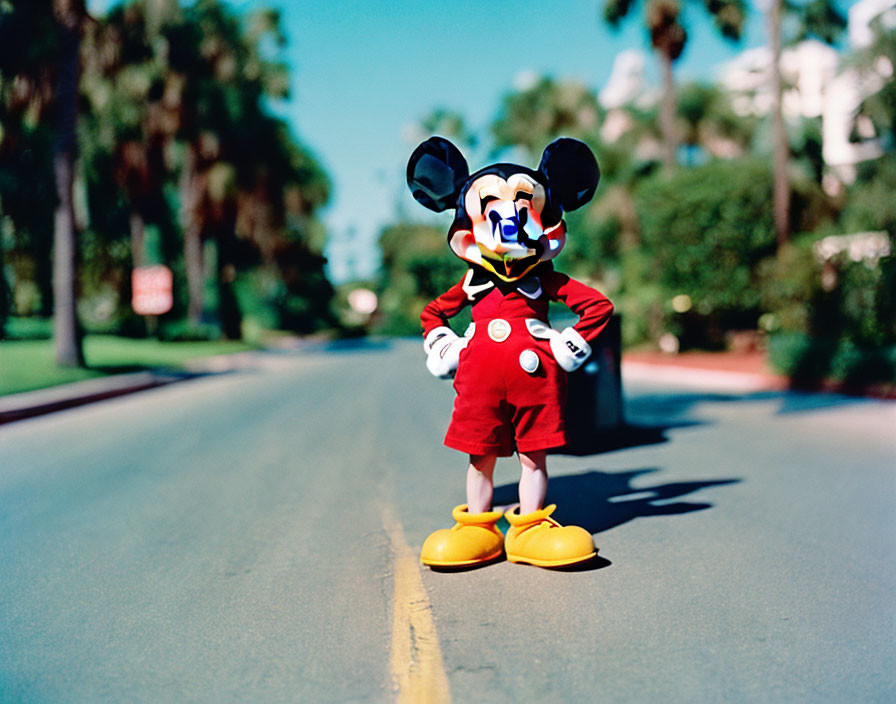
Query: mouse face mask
column 508, row 218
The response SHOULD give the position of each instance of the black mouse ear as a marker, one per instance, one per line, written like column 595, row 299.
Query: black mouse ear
column 572, row 172
column 436, row 173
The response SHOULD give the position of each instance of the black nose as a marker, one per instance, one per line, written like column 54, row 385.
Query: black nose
column 507, row 228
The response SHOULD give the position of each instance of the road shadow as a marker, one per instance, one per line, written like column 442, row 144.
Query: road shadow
column 583, row 444
column 598, row 501
column 807, row 401
column 598, row 562
column 647, row 418
column 650, row 416
column 677, row 407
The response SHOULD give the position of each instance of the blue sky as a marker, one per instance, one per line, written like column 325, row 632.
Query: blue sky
column 364, row 71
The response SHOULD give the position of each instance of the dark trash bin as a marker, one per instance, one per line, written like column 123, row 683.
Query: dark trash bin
column 594, row 404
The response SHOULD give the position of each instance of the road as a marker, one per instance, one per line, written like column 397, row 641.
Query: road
column 252, row 536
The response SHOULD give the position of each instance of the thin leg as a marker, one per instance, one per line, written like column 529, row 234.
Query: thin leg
column 533, row 480
column 479, row 483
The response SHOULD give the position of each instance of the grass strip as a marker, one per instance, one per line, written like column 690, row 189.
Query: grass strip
column 26, row 365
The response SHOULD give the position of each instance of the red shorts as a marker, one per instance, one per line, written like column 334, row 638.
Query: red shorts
column 500, row 407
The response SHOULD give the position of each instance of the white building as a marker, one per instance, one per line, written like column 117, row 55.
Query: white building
column 806, row 70
column 628, row 86
column 847, row 91
column 627, row 83
column 817, row 85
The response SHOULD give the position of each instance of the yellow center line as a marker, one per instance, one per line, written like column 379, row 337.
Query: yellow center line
column 418, row 673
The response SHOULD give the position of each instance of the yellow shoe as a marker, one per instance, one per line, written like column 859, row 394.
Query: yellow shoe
column 474, row 539
column 539, row 540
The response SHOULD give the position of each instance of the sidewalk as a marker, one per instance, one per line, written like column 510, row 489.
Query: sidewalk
column 734, row 372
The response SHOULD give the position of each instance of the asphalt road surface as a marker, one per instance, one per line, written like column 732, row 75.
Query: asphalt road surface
column 252, row 536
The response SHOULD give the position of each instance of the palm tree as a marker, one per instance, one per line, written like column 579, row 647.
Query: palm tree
column 124, row 84
column 70, row 16
column 447, row 123
column 818, row 18
column 4, row 294
column 668, row 37
column 532, row 117
column 711, row 124
column 27, row 48
column 781, row 192
column 238, row 164
column 223, row 78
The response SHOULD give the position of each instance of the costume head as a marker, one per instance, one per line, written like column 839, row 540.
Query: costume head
column 508, row 218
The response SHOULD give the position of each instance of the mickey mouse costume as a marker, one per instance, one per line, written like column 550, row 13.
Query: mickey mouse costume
column 510, row 367
column 502, row 405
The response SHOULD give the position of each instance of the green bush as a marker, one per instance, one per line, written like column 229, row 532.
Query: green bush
column 833, row 319
column 860, row 366
column 870, row 204
column 808, row 361
column 417, row 267
column 705, row 230
column 185, row 331
column 32, row 328
column 805, row 360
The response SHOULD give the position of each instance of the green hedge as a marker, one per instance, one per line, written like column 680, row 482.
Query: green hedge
column 704, row 231
column 833, row 320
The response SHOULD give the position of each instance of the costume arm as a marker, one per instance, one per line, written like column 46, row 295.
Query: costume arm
column 593, row 308
column 440, row 342
column 438, row 312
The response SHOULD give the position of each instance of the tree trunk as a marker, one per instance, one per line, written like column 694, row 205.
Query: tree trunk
column 781, row 206
column 138, row 239
column 138, row 258
column 667, row 113
column 4, row 294
column 65, row 322
column 228, row 305
column 193, row 253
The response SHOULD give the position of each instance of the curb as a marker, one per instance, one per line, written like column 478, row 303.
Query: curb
column 57, row 398
column 29, row 404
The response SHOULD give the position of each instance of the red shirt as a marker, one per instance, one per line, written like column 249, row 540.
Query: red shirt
column 593, row 308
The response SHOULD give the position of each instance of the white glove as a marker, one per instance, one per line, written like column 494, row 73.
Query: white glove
column 443, row 347
column 568, row 347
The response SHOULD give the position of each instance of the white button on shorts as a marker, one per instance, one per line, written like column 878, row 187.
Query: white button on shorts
column 499, row 329
column 529, row 361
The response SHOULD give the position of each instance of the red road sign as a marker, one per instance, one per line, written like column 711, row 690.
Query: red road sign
column 151, row 287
